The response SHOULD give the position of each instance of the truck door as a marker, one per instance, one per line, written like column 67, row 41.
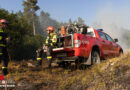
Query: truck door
column 83, row 49
column 104, row 44
column 112, row 45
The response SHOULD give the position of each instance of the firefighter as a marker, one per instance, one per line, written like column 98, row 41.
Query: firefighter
column 3, row 48
column 63, row 31
column 51, row 42
column 40, row 53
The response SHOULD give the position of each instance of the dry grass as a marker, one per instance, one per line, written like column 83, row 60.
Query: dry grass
column 110, row 74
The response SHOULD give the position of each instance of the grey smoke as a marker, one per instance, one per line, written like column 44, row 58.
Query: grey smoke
column 115, row 22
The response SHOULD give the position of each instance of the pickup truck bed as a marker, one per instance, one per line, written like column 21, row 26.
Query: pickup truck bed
column 87, row 48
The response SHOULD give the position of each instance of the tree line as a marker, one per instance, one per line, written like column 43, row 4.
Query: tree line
column 24, row 41
column 27, row 30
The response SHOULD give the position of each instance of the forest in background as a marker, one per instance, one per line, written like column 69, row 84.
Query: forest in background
column 27, row 29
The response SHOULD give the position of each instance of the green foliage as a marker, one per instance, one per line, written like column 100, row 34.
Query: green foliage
column 30, row 8
column 22, row 43
column 31, row 44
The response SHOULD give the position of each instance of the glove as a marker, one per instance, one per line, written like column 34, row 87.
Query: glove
column 5, row 71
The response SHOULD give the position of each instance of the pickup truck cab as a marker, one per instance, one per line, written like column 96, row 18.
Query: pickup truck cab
column 88, row 48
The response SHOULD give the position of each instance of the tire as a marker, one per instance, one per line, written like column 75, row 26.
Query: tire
column 95, row 57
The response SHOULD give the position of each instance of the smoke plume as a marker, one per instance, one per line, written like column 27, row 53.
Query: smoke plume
column 115, row 22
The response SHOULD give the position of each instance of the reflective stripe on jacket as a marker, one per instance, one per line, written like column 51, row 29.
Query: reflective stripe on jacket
column 51, row 39
column 3, row 36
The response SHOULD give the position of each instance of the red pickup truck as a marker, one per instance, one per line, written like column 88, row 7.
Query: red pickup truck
column 88, row 48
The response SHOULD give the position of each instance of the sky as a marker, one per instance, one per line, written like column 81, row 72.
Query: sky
column 62, row 10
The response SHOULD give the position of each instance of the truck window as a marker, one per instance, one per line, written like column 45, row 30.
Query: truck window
column 109, row 38
column 102, row 35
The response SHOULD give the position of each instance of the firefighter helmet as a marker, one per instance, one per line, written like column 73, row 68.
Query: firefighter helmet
column 50, row 28
column 3, row 21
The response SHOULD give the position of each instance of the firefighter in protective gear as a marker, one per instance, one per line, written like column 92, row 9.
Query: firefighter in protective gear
column 3, row 49
column 40, row 53
column 63, row 31
column 51, row 42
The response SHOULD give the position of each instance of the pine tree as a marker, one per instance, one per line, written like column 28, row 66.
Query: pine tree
column 30, row 8
column 80, row 20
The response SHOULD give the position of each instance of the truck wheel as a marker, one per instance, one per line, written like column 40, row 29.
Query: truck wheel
column 95, row 58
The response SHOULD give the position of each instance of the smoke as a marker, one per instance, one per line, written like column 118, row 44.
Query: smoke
column 115, row 22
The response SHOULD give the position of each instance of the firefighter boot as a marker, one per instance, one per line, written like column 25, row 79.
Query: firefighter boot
column 49, row 63
column 49, row 59
column 39, row 61
column 4, row 70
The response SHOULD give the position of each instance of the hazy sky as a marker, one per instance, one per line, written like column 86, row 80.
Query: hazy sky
column 62, row 10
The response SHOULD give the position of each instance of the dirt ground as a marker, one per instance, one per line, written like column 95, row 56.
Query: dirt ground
column 111, row 74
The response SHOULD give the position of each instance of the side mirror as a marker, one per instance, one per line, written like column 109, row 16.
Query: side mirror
column 116, row 40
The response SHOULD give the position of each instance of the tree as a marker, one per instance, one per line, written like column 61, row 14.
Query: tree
column 20, row 14
column 45, row 21
column 30, row 7
column 22, row 43
column 80, row 20
column 70, row 21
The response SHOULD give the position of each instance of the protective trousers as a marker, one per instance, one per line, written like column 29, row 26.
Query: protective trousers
column 4, row 56
column 39, row 53
column 49, row 56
